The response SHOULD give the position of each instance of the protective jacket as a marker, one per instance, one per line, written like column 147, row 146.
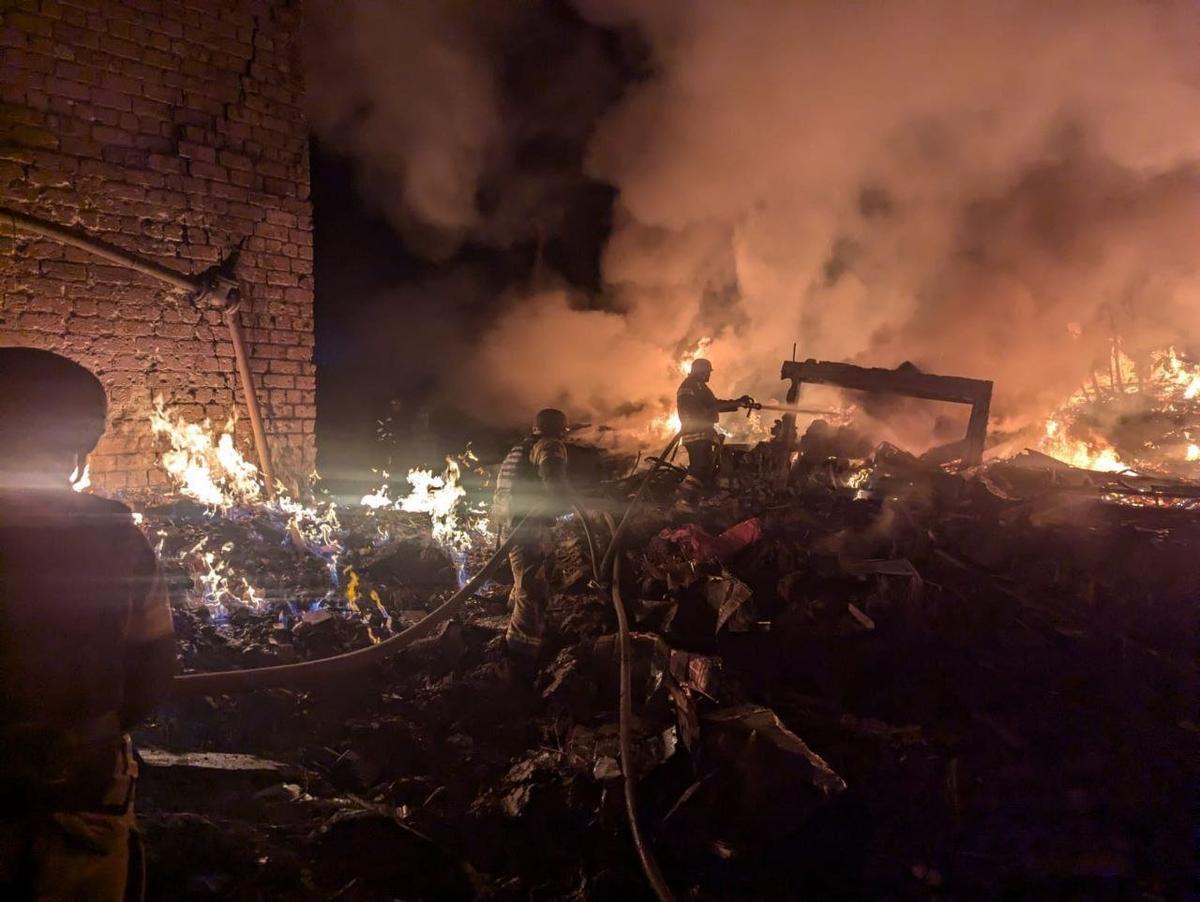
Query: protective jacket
column 86, row 649
column 527, row 477
column 699, row 409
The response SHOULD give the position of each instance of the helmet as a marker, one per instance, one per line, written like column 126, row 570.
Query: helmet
column 551, row 422
column 49, row 401
column 700, row 366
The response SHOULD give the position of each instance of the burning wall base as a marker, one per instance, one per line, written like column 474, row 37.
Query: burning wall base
column 173, row 132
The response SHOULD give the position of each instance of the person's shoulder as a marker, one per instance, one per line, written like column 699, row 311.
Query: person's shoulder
column 106, row 514
column 66, row 503
column 546, row 448
column 100, row 503
column 106, row 507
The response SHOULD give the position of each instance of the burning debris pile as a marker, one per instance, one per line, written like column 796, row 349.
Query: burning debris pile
column 1143, row 418
column 869, row 676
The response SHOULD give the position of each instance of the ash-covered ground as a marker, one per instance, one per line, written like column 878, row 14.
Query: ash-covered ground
column 886, row 680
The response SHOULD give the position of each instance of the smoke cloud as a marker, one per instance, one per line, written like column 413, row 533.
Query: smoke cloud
column 987, row 189
column 406, row 89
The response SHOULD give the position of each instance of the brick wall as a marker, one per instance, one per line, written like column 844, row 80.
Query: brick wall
column 172, row 129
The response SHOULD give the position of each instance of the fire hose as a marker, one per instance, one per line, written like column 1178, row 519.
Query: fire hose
column 304, row 672
column 625, row 711
column 783, row 408
column 222, row 293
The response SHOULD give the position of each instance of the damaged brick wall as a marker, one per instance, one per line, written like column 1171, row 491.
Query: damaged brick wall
column 172, row 129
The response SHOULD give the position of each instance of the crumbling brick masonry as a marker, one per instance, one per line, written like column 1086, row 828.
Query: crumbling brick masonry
column 172, row 129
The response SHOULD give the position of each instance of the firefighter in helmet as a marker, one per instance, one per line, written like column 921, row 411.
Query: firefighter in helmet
column 86, row 644
column 532, row 478
column 699, row 409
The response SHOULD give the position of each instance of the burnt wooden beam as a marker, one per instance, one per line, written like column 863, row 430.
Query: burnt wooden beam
column 905, row 380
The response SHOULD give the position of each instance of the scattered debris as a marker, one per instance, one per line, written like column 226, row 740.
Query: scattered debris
column 869, row 679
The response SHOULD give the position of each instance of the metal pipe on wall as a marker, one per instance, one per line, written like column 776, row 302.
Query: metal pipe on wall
column 229, row 308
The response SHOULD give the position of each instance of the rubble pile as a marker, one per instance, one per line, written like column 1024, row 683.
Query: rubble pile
column 874, row 677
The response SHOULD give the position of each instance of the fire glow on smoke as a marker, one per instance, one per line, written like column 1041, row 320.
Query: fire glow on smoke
column 667, row 424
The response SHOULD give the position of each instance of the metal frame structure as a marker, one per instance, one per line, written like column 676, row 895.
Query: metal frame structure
column 905, row 380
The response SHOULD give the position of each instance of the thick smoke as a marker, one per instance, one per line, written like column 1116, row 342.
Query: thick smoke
column 406, row 89
column 963, row 185
column 466, row 120
column 989, row 189
column 986, row 189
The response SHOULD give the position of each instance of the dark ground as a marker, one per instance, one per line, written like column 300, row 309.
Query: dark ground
column 1001, row 671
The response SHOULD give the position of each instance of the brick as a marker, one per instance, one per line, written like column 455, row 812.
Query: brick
column 30, row 24
column 103, row 97
column 106, row 134
column 200, row 169
column 74, row 272
column 65, row 87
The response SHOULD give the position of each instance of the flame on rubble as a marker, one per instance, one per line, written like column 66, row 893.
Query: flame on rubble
column 212, row 472
column 214, row 586
column 1079, row 453
column 1169, row 383
column 1181, row 379
column 439, row 496
column 205, row 465
column 81, row 482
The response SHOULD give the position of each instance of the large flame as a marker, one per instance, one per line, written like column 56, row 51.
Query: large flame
column 1095, row 455
column 207, row 469
column 206, row 466
column 81, row 481
column 441, row 496
column 667, row 424
column 686, row 361
column 1170, row 384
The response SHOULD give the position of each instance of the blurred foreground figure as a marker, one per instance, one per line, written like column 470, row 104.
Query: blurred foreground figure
column 533, row 474
column 699, row 409
column 86, row 644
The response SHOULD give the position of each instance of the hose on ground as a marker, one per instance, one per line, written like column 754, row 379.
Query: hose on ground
column 587, row 532
column 625, row 731
column 619, row 531
column 306, row 672
column 625, row 703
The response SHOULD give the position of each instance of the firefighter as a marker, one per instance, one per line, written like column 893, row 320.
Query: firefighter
column 86, row 644
column 699, row 410
column 533, row 474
